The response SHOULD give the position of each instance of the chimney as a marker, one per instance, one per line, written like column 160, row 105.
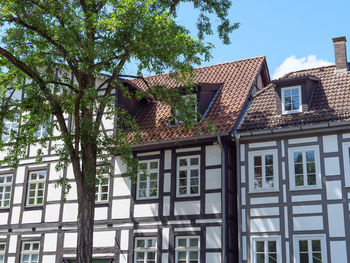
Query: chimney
column 341, row 62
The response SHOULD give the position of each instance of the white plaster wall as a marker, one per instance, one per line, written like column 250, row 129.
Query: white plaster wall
column 54, row 193
column 3, row 218
column 50, row 242
column 121, row 186
column 70, row 240
column 70, row 212
column 167, row 182
column 101, row 213
column 17, row 197
column 165, row 238
column 123, row 258
column 264, row 211
column 11, row 260
column 212, row 257
column 213, row 203
column 212, row 179
column 49, row 258
column 13, row 244
column 213, row 155
column 124, row 239
column 308, row 223
column 165, row 257
column 302, row 140
column 242, row 152
column 121, row 208
column 31, row 216
column 187, row 208
column 15, row 215
column 107, row 122
column 336, row 220
column 305, row 198
column 264, row 200
column 330, row 143
column 307, row 209
column 262, row 144
column 331, row 165
column 213, row 237
column 72, row 194
column 119, row 166
column 104, row 239
column 166, row 205
column 145, row 210
column 55, row 175
column 338, row 251
column 20, row 174
column 334, row 190
column 244, row 220
column 167, row 159
column 190, row 149
column 52, row 213
column 70, row 174
column 265, row 225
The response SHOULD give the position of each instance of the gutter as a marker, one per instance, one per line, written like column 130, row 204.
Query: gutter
column 296, row 131
column 224, row 202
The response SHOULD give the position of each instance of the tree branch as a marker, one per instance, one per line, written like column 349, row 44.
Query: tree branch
column 173, row 7
column 63, row 84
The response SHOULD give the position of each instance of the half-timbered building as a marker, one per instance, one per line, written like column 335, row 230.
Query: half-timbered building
column 294, row 168
column 184, row 211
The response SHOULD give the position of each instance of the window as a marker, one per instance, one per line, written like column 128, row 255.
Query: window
column 101, row 192
column 5, row 189
column 192, row 99
column 145, row 250
column 187, row 250
column 41, row 132
column 2, row 252
column 10, row 127
column 266, row 250
column 147, row 179
column 188, row 176
column 93, row 260
column 263, row 170
column 36, row 188
column 291, row 100
column 310, row 249
column 30, row 252
column 304, row 168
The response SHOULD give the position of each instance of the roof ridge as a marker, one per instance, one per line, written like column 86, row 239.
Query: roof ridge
column 301, row 70
column 262, row 90
column 210, row 66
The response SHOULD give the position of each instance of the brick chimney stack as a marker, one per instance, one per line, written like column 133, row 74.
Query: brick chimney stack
column 341, row 62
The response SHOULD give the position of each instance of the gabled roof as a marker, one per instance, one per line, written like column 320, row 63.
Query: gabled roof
column 330, row 102
column 236, row 80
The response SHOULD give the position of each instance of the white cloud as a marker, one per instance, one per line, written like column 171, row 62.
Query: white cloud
column 293, row 63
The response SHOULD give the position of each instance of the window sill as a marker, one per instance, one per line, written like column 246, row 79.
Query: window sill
column 4, row 209
column 305, row 188
column 291, row 112
column 101, row 204
column 264, row 191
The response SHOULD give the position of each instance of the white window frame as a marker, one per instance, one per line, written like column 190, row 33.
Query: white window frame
column 291, row 152
column 283, row 90
column 186, row 98
column 188, row 169
column 346, row 161
column 98, row 191
column 253, row 241
column 2, row 252
column 146, row 249
column 297, row 238
column 148, row 179
column 263, row 153
column 36, row 182
column 30, row 252
column 5, row 185
column 187, row 249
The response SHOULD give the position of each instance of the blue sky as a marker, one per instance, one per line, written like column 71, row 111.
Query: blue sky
column 295, row 33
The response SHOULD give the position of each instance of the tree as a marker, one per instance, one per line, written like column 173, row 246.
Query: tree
column 86, row 38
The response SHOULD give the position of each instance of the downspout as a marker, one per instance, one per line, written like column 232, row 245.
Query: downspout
column 224, row 202
column 239, row 218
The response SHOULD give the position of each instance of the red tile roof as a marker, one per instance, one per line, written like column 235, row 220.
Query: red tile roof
column 236, row 77
column 330, row 102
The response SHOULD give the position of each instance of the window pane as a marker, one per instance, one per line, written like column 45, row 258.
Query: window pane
column 310, row 156
column 316, row 245
column 298, row 157
column 272, row 246
column 260, row 246
column 2, row 247
column 310, row 167
column 183, row 162
column 311, row 179
column 140, row 243
column 260, row 258
column 268, row 160
column 317, row 257
column 257, row 160
column 304, row 258
column 182, row 242
column 287, row 93
column 303, row 246
column 181, row 255
column 154, row 165
column 299, row 180
column 272, row 257
column 194, row 161
column 193, row 242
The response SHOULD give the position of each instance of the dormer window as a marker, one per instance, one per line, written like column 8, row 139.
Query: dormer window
column 192, row 99
column 291, row 100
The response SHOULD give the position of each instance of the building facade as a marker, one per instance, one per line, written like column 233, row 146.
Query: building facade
column 293, row 171
column 184, row 211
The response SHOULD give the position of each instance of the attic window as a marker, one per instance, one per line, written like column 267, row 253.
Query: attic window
column 192, row 98
column 291, row 100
